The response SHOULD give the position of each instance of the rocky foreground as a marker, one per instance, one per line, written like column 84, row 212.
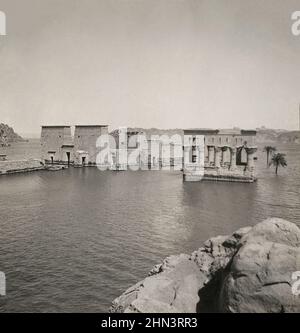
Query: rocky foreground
column 253, row 270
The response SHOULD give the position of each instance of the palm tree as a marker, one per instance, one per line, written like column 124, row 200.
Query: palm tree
column 278, row 160
column 269, row 150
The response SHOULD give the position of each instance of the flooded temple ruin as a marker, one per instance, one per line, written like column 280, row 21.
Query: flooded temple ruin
column 226, row 155
column 202, row 154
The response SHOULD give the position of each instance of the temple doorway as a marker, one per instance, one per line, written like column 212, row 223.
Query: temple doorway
column 68, row 157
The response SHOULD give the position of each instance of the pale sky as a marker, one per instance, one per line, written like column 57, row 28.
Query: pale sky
column 149, row 63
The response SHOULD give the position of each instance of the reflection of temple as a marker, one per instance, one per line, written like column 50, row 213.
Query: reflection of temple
column 227, row 155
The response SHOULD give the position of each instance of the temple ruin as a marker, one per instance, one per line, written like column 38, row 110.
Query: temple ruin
column 202, row 154
column 227, row 155
column 59, row 146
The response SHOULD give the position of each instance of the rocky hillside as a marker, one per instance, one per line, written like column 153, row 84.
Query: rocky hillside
column 264, row 135
column 277, row 136
column 8, row 135
column 256, row 269
column 289, row 137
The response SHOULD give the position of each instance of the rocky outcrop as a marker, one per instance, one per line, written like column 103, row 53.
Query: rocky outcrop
column 8, row 135
column 249, row 271
column 259, row 278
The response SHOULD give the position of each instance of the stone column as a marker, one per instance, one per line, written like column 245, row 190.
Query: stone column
column 224, row 149
column 217, row 156
column 206, row 154
column 250, row 158
column 211, row 154
column 233, row 159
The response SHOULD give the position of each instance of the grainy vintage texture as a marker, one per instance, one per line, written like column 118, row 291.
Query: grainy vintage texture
column 135, row 130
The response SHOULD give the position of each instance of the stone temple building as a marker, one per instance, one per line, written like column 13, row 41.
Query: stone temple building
column 130, row 149
column 58, row 146
column 85, row 139
column 138, row 149
column 227, row 155
column 202, row 154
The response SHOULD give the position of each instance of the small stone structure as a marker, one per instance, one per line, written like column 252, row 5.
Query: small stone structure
column 226, row 155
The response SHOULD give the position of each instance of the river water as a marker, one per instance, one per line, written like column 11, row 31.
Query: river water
column 73, row 240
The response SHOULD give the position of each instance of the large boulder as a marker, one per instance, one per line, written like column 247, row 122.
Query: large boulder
column 249, row 271
column 259, row 278
column 171, row 287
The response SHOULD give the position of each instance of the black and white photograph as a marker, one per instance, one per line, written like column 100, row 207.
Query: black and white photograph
column 149, row 159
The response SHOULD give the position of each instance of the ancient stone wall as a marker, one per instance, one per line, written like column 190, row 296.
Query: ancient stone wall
column 85, row 139
column 7, row 167
column 52, row 140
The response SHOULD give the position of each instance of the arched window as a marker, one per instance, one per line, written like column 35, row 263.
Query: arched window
column 241, row 156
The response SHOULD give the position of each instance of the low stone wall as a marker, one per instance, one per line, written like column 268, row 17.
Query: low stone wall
column 239, row 174
column 252, row 270
column 9, row 167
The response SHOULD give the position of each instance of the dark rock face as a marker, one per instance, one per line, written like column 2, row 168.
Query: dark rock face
column 249, row 271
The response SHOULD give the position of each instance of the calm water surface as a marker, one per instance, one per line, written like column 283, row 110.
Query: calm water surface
column 74, row 240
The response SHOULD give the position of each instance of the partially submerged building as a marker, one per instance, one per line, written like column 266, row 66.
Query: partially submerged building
column 58, row 146
column 203, row 154
column 129, row 149
column 138, row 149
column 85, row 143
column 227, row 155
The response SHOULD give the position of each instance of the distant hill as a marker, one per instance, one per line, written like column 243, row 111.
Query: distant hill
column 289, row 137
column 8, row 135
column 264, row 135
column 156, row 131
column 277, row 136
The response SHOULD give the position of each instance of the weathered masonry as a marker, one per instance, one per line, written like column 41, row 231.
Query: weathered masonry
column 60, row 147
column 135, row 149
column 227, row 155
column 85, row 139
column 203, row 154
column 130, row 150
column 56, row 144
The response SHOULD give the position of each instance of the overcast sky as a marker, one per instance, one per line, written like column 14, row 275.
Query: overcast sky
column 149, row 63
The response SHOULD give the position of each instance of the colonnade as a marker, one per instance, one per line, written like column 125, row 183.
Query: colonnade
column 216, row 156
